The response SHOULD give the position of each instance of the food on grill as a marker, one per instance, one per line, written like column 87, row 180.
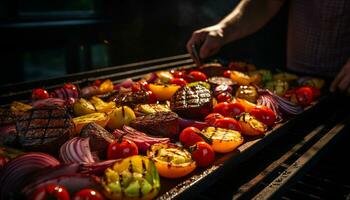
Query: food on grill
column 135, row 177
column 197, row 76
column 88, row 194
column 131, row 99
column 241, row 66
column 6, row 117
column 19, row 107
column 212, row 117
column 311, row 81
column 8, row 134
column 278, row 87
column 212, row 69
column 219, row 80
column 224, row 97
column 190, row 136
column 163, row 92
column 248, row 93
column 121, row 148
column 151, row 108
column 223, row 140
column 229, row 109
column 264, row 114
column 89, row 91
column 49, row 102
column 178, row 81
column 106, row 86
column 99, row 138
column 202, row 83
column 50, row 191
column 240, row 78
column 99, row 118
column 248, row 106
column 228, row 123
column 263, row 75
column 171, row 160
column 67, row 92
column 284, row 76
column 40, row 93
column 304, row 95
column 142, row 140
column 77, row 150
column 120, row 116
column 222, row 88
column 102, row 106
column 164, row 124
column 251, row 126
column 44, row 129
column 203, row 154
column 15, row 173
column 83, row 107
column 192, row 102
column 164, row 76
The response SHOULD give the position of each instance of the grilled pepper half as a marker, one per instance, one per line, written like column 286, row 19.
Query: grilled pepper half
column 223, row 140
column 171, row 160
column 251, row 126
column 135, row 177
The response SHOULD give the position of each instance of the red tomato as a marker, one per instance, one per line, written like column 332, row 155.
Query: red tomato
column 264, row 114
column 178, row 74
column 304, row 95
column 70, row 86
column 121, row 149
column 227, row 73
column 88, row 194
column 198, row 76
column 3, row 162
column 224, row 97
column 40, row 93
column 190, row 136
column 151, row 97
column 97, row 82
column 50, row 192
column 212, row 117
column 203, row 154
column 178, row 81
column 229, row 109
column 228, row 123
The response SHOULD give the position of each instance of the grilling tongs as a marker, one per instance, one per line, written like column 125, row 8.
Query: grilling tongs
column 195, row 53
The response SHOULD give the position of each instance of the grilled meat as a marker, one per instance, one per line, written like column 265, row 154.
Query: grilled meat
column 131, row 99
column 212, row 69
column 164, row 124
column 192, row 102
column 43, row 129
column 6, row 117
column 99, row 138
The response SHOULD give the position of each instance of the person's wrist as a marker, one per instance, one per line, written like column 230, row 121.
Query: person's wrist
column 228, row 30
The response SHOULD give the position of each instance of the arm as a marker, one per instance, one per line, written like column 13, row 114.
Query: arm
column 248, row 17
column 342, row 80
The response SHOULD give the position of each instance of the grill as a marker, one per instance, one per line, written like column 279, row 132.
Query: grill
column 292, row 161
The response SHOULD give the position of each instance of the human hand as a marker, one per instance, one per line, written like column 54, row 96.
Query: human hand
column 209, row 39
column 342, row 80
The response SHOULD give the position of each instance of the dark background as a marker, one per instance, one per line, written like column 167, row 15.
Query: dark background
column 42, row 39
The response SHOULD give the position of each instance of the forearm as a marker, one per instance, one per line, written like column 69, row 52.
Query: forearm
column 248, row 17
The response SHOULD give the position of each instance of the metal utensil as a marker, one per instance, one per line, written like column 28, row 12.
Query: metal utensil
column 195, row 54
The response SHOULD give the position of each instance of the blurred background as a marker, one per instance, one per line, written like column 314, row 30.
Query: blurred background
column 43, row 39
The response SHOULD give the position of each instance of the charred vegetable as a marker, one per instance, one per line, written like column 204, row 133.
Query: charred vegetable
column 251, row 126
column 223, row 140
column 171, row 160
column 135, row 177
column 121, row 116
column 278, row 87
column 248, row 93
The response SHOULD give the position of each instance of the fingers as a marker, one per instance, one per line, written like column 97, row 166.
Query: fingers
column 197, row 38
column 209, row 48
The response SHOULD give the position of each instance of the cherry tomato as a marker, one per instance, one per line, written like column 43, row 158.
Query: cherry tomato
column 88, row 194
column 178, row 81
column 70, row 86
column 212, row 117
column 97, row 82
column 264, row 114
column 178, row 74
column 228, row 123
column 151, row 97
column 198, row 76
column 50, row 192
column 203, row 154
column 227, row 73
column 229, row 109
column 121, row 149
column 224, row 97
column 304, row 95
column 40, row 93
column 3, row 162
column 190, row 136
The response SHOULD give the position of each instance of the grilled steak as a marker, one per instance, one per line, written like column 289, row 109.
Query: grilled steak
column 192, row 102
column 131, row 99
column 6, row 117
column 99, row 138
column 43, row 129
column 164, row 124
